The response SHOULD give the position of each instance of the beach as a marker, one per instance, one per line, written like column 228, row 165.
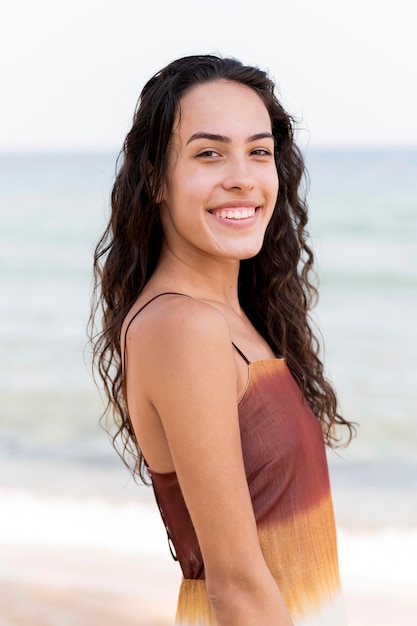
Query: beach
column 85, row 588
column 87, row 547
column 82, row 547
column 80, row 543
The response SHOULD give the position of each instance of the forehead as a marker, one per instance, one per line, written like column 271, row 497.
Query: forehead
column 222, row 107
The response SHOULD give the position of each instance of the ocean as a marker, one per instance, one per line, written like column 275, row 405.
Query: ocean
column 363, row 223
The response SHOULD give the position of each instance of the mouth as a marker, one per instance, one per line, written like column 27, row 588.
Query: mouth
column 234, row 213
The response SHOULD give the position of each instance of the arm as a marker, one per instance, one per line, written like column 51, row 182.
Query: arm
column 187, row 367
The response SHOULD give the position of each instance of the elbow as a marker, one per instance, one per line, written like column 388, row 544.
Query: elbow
column 227, row 591
column 223, row 594
column 246, row 596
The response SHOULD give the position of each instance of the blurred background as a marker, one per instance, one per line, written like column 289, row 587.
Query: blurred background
column 80, row 543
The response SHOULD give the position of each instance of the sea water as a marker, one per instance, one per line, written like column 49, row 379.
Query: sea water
column 363, row 224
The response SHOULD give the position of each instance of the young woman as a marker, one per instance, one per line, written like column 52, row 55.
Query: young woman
column 206, row 353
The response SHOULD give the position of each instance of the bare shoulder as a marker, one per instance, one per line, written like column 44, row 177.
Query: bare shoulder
column 176, row 326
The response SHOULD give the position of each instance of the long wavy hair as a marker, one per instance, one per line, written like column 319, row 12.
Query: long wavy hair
column 276, row 287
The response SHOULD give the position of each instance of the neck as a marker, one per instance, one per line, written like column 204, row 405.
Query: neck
column 210, row 279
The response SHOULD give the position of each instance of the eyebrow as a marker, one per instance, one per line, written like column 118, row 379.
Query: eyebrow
column 224, row 139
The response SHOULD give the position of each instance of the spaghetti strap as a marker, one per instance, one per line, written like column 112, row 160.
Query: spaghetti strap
column 241, row 353
column 164, row 293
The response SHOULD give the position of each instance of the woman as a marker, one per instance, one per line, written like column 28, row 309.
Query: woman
column 209, row 363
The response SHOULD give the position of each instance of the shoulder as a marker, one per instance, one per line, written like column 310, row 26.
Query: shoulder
column 181, row 351
column 174, row 327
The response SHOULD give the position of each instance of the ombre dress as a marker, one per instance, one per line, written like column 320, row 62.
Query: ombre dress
column 287, row 474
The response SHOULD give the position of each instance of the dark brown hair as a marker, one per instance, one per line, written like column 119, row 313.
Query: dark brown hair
column 275, row 288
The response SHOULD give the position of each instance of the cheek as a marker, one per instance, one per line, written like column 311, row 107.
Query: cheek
column 276, row 181
column 180, row 188
column 273, row 187
column 178, row 209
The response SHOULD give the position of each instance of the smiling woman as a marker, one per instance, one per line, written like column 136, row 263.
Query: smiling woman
column 206, row 354
column 218, row 182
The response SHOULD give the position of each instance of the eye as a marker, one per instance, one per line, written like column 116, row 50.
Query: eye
column 262, row 152
column 207, row 154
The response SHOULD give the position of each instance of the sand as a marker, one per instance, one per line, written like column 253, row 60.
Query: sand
column 62, row 586
column 88, row 588
column 67, row 587
column 71, row 558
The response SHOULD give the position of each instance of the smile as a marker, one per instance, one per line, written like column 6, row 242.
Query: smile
column 235, row 213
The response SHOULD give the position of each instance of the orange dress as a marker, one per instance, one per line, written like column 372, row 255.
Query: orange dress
column 287, row 475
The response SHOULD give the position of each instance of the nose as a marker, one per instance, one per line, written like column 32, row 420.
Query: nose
column 238, row 175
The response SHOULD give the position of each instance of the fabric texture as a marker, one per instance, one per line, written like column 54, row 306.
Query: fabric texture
column 287, row 474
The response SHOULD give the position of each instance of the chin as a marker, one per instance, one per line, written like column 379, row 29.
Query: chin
column 241, row 252
column 249, row 253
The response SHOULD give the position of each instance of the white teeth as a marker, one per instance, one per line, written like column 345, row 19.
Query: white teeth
column 236, row 214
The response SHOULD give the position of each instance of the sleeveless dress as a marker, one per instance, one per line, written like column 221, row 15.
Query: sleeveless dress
column 287, row 474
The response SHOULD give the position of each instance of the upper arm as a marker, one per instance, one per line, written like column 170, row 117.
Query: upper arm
column 190, row 379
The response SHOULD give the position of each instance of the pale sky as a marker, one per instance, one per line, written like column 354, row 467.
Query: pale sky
column 71, row 71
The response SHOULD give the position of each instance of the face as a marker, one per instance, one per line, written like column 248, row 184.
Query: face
column 222, row 182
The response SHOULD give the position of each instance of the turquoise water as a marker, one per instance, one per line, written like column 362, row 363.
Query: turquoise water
column 363, row 220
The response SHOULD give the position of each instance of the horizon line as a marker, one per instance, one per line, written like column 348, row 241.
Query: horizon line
column 95, row 150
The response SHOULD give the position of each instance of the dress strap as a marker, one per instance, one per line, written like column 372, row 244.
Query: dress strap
column 241, row 353
column 164, row 293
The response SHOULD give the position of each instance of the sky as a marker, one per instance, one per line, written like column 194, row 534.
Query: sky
column 71, row 71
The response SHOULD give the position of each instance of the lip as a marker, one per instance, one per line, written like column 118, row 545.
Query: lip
column 235, row 204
